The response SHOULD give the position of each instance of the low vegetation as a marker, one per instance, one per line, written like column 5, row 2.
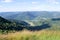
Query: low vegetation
column 30, row 35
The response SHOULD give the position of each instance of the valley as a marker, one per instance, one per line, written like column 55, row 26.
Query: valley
column 35, row 25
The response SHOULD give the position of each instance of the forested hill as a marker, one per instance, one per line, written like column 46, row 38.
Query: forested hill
column 6, row 25
column 2, row 20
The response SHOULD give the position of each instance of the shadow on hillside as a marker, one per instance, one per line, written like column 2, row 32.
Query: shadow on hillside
column 37, row 28
column 28, row 27
column 55, row 19
column 31, row 28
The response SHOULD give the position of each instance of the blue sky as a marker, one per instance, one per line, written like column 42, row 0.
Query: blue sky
column 29, row 5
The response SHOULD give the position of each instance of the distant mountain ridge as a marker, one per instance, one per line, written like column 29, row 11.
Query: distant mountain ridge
column 30, row 15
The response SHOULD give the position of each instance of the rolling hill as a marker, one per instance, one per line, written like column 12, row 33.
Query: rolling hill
column 30, row 15
column 33, row 18
column 6, row 25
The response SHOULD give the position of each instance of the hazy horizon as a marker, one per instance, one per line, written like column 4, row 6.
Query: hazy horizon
column 29, row 11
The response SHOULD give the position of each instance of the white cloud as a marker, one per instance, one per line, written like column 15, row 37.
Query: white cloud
column 56, row 2
column 0, row 6
column 53, row 1
column 7, row 0
column 34, row 2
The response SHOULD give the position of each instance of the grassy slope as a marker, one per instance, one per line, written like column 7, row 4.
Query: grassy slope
column 28, row 35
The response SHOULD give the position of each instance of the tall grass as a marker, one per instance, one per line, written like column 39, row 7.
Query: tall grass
column 29, row 35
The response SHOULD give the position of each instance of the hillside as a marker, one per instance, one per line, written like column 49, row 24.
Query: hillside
column 33, row 20
column 6, row 25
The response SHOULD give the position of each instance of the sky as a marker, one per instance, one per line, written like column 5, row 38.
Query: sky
column 29, row 5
